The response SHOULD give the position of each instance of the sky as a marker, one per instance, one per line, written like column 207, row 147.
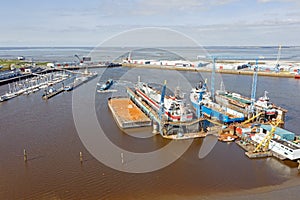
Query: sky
column 209, row 22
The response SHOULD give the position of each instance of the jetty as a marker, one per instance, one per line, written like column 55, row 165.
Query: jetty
column 52, row 94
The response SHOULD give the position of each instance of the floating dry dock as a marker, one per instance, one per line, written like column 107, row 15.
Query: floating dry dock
column 127, row 114
column 169, row 130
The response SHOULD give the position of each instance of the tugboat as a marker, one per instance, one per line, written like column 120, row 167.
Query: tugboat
column 106, row 85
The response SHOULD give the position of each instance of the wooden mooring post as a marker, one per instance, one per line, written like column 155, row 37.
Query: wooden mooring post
column 25, row 155
column 80, row 157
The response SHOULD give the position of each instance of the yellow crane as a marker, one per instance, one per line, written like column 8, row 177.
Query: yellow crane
column 267, row 138
column 252, row 118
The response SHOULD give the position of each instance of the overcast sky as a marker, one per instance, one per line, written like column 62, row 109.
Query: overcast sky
column 88, row 23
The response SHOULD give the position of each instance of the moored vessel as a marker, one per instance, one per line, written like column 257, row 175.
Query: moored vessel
column 174, row 107
column 106, row 85
column 204, row 105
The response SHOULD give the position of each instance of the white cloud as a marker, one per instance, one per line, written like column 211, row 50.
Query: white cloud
column 179, row 5
column 268, row 1
column 151, row 7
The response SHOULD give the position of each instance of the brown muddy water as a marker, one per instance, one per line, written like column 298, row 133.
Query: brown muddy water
column 46, row 129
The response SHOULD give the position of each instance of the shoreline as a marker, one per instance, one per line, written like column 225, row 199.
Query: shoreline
column 221, row 71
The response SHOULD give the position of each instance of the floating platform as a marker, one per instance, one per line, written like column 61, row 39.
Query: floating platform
column 258, row 154
column 106, row 91
column 249, row 148
column 80, row 80
column 127, row 114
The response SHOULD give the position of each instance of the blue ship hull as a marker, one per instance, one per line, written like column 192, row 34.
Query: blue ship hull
column 107, row 85
column 217, row 115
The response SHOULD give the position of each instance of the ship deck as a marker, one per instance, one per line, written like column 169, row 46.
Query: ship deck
column 127, row 114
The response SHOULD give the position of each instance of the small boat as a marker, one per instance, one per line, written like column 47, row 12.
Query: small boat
column 7, row 96
column 49, row 91
column 3, row 98
column 227, row 138
column 68, row 88
column 43, row 86
column 106, row 85
column 35, row 89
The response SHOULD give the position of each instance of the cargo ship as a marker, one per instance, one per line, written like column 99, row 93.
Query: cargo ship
column 202, row 102
column 175, row 109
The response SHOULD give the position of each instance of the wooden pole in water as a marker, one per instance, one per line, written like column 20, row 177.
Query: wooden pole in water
column 154, row 127
column 122, row 158
column 80, row 157
column 25, row 155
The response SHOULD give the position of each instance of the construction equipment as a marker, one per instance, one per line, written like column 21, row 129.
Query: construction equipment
column 214, row 58
column 252, row 118
column 162, row 101
column 266, row 141
column 254, row 85
column 277, row 65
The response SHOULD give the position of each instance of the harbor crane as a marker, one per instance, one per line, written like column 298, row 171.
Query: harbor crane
column 77, row 58
column 266, row 141
column 254, row 86
column 202, row 90
column 277, row 65
column 162, row 101
column 254, row 80
column 252, row 118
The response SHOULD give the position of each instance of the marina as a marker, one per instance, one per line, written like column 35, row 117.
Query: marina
column 79, row 80
column 34, row 84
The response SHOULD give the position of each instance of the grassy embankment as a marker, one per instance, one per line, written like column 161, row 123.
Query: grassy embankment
column 6, row 64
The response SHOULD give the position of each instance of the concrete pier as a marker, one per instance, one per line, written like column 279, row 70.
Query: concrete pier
column 222, row 71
